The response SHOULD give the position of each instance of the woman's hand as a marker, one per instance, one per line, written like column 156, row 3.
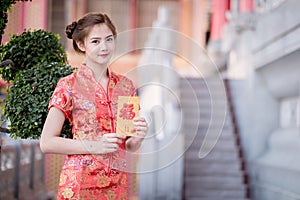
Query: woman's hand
column 141, row 128
column 50, row 141
column 108, row 143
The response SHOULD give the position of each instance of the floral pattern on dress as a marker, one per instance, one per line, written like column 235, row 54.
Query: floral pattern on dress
column 67, row 193
column 91, row 111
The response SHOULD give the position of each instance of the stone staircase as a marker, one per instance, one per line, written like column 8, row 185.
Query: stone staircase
column 219, row 175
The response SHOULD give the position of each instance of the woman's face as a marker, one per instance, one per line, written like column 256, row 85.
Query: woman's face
column 99, row 45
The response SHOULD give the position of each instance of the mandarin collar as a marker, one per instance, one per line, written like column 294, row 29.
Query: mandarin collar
column 86, row 70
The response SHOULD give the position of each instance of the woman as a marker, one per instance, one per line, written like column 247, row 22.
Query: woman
column 95, row 166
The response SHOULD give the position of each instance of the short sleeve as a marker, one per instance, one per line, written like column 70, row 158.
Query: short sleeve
column 132, row 88
column 128, row 86
column 62, row 97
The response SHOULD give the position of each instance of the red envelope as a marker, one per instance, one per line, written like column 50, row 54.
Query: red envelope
column 128, row 109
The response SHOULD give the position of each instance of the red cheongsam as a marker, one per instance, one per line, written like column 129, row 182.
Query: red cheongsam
column 91, row 111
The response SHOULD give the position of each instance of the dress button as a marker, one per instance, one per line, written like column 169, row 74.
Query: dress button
column 103, row 102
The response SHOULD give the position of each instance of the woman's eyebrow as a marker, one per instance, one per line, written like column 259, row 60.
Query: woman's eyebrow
column 99, row 38
column 109, row 36
column 95, row 38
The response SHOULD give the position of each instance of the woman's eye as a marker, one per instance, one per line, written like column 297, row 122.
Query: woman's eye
column 95, row 41
column 110, row 39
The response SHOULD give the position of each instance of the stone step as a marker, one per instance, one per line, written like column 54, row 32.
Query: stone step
column 197, row 95
column 207, row 149
column 200, row 98
column 203, row 127
column 208, row 168
column 225, row 134
column 205, row 123
column 197, row 84
column 191, row 132
column 214, row 129
column 192, row 119
column 201, row 87
column 208, row 172
column 193, row 156
column 195, row 113
column 219, row 145
column 215, row 198
column 211, row 136
column 206, row 80
column 208, row 162
column 205, row 112
column 219, row 175
column 208, row 146
column 220, row 166
column 203, row 104
column 216, row 193
column 196, row 143
column 198, row 139
column 194, row 97
column 214, row 182
column 202, row 90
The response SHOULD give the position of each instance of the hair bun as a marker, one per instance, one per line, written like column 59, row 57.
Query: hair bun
column 70, row 29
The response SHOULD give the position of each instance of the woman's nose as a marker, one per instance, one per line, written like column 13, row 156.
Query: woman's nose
column 103, row 46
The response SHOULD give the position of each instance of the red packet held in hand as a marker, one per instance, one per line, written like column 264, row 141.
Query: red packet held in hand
column 128, row 109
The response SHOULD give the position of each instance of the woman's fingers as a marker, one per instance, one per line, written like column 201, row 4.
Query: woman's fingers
column 140, row 126
column 111, row 145
column 111, row 141
column 114, row 140
column 115, row 135
column 139, row 119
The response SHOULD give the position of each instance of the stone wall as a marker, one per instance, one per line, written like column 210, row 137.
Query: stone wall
column 264, row 67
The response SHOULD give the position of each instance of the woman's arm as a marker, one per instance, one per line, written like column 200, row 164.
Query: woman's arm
column 141, row 127
column 50, row 141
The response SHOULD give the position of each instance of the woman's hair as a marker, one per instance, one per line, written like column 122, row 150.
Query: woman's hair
column 77, row 31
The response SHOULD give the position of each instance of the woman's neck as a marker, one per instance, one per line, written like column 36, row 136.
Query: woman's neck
column 100, row 71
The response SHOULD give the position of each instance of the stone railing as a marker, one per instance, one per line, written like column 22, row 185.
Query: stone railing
column 159, row 95
column 22, row 169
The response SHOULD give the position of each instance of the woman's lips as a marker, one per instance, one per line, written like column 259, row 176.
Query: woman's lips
column 104, row 55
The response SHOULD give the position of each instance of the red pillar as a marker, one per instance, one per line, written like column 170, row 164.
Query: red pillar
column 218, row 19
column 34, row 14
column 199, row 21
column 22, row 18
column 185, row 23
column 246, row 5
column 133, row 22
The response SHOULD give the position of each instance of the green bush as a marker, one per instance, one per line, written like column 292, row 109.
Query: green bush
column 29, row 49
column 39, row 62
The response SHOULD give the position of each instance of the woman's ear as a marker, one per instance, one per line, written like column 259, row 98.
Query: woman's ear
column 81, row 46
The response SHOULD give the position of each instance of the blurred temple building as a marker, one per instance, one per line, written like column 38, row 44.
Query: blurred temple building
column 219, row 82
